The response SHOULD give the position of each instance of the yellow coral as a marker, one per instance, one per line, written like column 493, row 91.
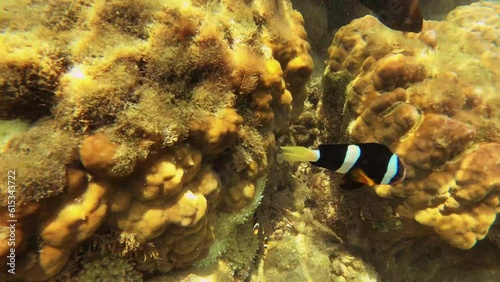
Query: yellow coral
column 207, row 183
column 272, row 75
column 143, row 219
column 187, row 210
column 78, row 219
column 164, row 178
column 160, row 97
column 179, row 218
column 470, row 210
column 97, row 153
column 430, row 98
column 51, row 260
column 238, row 195
column 74, row 221
column 215, row 133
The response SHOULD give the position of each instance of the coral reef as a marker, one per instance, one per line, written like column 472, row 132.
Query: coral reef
column 354, row 236
column 142, row 136
column 152, row 127
column 431, row 97
column 324, row 17
column 358, row 235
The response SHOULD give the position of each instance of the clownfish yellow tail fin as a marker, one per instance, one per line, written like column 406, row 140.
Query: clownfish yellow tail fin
column 299, row 154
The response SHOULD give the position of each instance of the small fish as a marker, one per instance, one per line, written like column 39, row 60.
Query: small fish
column 361, row 164
column 402, row 15
column 256, row 229
column 265, row 248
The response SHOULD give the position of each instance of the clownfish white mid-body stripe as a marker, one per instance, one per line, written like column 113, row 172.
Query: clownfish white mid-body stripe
column 392, row 170
column 351, row 157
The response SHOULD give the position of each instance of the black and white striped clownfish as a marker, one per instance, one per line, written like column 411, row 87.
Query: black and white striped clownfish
column 402, row 15
column 361, row 164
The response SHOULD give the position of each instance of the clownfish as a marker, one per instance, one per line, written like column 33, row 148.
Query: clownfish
column 361, row 164
column 258, row 231
column 402, row 15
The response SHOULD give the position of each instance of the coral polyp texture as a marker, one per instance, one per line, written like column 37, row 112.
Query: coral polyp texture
column 433, row 99
column 141, row 125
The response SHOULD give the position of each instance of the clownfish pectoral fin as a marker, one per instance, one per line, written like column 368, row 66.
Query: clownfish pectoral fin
column 360, row 176
column 299, row 154
column 356, row 178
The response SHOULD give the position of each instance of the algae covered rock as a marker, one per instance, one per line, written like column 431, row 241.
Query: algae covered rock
column 9, row 128
column 148, row 121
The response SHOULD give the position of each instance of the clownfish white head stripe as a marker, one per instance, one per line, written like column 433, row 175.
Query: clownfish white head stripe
column 366, row 163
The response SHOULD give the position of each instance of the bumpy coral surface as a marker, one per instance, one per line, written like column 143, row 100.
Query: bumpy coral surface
column 148, row 120
column 433, row 99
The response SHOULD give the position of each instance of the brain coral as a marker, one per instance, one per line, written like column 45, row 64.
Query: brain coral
column 148, row 120
column 432, row 98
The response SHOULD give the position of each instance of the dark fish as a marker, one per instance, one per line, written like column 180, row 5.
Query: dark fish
column 402, row 15
column 362, row 164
